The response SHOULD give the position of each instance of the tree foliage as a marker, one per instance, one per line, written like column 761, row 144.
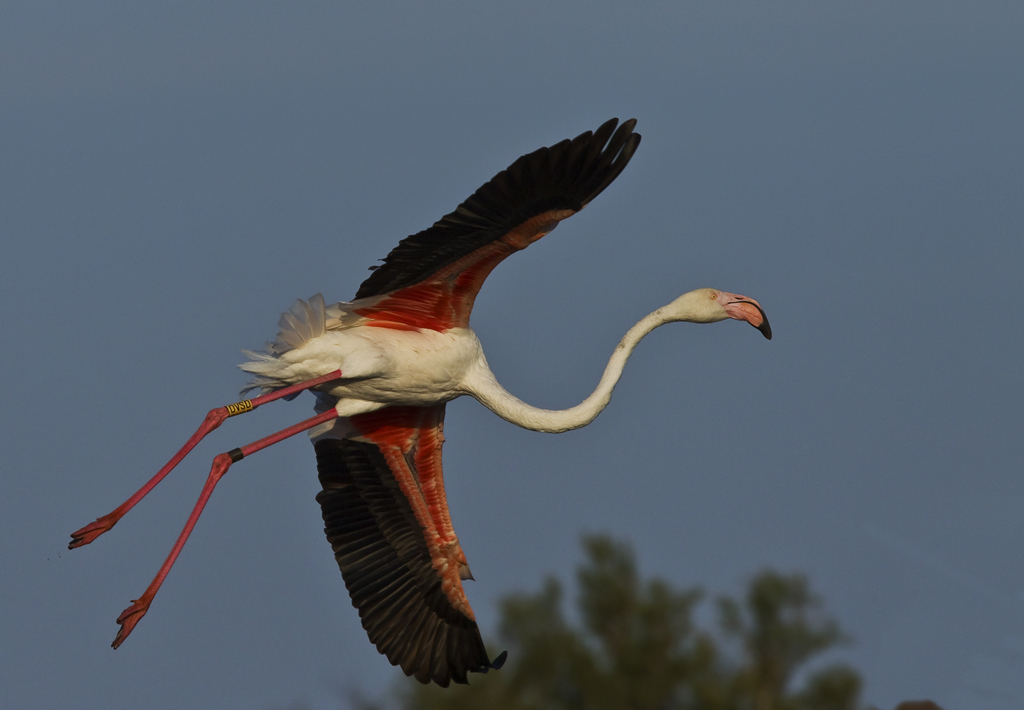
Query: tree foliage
column 637, row 648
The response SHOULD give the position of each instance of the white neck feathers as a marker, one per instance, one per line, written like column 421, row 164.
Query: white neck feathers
column 482, row 385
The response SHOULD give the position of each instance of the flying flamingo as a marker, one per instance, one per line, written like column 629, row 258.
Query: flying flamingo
column 382, row 368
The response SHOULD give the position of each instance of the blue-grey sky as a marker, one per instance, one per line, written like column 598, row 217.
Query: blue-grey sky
column 173, row 176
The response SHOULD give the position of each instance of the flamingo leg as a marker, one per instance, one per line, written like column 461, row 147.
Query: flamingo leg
column 214, row 419
column 221, row 463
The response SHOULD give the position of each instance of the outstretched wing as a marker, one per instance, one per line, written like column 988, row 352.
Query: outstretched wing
column 431, row 279
column 386, row 517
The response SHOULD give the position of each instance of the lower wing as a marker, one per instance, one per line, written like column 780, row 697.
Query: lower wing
column 387, row 520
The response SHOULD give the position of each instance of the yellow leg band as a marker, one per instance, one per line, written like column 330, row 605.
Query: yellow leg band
column 239, row 407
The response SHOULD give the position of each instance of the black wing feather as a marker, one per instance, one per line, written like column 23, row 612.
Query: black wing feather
column 567, row 175
column 384, row 561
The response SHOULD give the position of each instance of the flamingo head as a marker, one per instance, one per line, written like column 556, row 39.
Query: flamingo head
column 710, row 305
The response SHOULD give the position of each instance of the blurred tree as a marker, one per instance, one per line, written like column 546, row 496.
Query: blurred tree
column 638, row 648
column 780, row 627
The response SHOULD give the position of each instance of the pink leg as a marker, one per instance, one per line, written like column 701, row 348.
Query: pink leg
column 131, row 616
column 213, row 420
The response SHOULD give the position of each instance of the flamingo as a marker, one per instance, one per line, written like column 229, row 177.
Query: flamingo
column 382, row 368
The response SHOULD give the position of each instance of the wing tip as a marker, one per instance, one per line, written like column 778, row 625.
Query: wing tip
column 566, row 175
column 494, row 665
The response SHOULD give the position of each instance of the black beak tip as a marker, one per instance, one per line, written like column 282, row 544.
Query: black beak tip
column 766, row 330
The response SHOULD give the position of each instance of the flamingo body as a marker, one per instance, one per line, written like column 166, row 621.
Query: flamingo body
column 384, row 365
column 405, row 348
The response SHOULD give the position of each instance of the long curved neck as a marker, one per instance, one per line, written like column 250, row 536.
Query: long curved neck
column 482, row 385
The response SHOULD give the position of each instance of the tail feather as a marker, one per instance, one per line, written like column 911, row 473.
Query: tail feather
column 261, row 365
column 300, row 324
column 304, row 321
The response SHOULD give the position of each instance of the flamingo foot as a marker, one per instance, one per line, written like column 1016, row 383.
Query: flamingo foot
column 129, row 618
column 91, row 531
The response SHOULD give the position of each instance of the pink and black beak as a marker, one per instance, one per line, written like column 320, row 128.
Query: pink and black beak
column 746, row 309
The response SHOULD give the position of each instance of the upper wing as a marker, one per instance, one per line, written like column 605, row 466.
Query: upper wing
column 386, row 518
column 431, row 279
